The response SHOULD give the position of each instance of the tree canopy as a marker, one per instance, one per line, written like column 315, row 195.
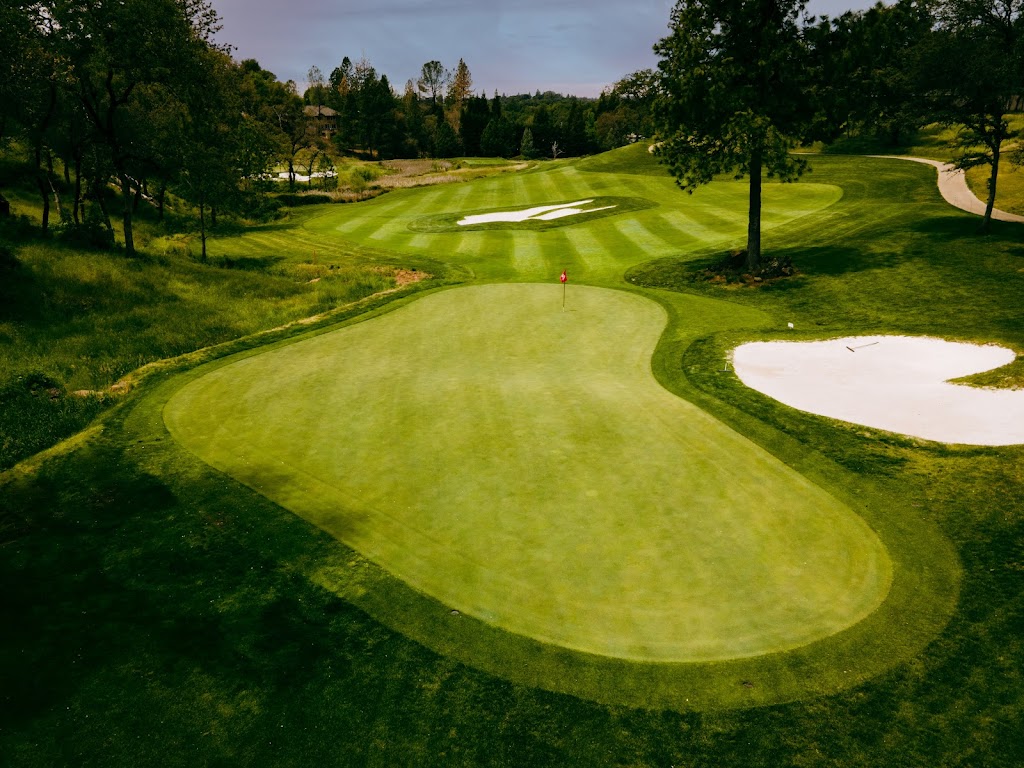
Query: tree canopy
column 733, row 96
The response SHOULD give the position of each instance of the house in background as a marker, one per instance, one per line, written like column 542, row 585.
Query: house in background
column 323, row 120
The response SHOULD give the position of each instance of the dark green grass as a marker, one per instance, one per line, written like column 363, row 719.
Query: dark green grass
column 156, row 615
column 85, row 319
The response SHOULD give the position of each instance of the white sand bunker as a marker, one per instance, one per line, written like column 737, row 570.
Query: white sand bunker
column 540, row 213
column 896, row 383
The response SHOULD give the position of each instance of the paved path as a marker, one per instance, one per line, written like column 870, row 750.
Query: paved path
column 954, row 189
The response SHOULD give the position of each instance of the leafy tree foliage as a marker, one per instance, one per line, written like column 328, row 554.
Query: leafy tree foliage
column 734, row 96
column 974, row 71
column 433, row 79
column 864, row 67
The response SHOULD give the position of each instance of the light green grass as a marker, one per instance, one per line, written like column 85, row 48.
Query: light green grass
column 521, row 464
column 595, row 251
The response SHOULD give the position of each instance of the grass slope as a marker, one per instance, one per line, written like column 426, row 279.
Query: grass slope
column 159, row 613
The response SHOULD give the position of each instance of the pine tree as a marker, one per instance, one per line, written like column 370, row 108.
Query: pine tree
column 526, row 148
column 735, row 95
column 459, row 90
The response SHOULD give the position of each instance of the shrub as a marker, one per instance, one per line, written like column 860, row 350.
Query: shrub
column 90, row 234
column 292, row 199
column 7, row 258
column 260, row 207
column 36, row 412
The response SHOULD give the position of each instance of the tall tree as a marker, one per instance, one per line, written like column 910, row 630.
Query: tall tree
column 316, row 94
column 460, row 88
column 476, row 114
column 210, row 150
column 40, row 78
column 975, row 70
column 433, row 79
column 416, row 137
column 732, row 96
column 527, row 148
column 863, row 67
column 119, row 47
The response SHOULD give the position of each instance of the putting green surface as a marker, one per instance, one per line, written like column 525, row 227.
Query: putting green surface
column 521, row 464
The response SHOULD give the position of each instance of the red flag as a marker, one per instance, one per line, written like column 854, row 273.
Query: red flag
column 564, row 278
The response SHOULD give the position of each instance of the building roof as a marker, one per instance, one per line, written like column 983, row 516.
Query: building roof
column 312, row 110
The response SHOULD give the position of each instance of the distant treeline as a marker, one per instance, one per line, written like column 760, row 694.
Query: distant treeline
column 439, row 115
column 138, row 94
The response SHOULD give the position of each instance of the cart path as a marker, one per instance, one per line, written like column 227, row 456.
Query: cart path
column 954, row 190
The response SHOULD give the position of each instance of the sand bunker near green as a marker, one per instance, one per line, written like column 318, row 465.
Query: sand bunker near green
column 896, row 383
column 520, row 464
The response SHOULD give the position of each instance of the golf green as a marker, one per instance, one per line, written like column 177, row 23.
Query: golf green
column 520, row 463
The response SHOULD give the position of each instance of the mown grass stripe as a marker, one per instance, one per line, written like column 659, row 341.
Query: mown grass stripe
column 527, row 254
column 642, row 238
column 690, row 230
column 589, row 251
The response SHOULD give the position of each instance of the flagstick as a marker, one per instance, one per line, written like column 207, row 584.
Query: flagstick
column 563, row 296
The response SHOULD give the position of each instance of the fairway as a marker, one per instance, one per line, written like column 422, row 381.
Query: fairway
column 651, row 219
column 520, row 464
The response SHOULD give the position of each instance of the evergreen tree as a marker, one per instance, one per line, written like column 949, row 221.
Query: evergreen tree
column 460, row 88
column 446, row 141
column 475, row 117
column 574, row 134
column 734, row 95
column 526, row 145
column 498, row 138
column 416, row 139
column 974, row 72
column 543, row 129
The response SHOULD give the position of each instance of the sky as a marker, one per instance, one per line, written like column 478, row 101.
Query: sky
column 572, row 47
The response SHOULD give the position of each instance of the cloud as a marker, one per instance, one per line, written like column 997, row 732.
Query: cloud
column 513, row 46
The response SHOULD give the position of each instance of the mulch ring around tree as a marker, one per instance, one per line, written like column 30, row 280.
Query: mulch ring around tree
column 732, row 269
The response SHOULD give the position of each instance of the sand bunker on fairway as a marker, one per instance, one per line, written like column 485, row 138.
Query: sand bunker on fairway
column 896, row 383
column 539, row 213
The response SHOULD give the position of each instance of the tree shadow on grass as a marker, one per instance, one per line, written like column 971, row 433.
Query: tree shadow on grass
column 248, row 263
column 837, row 260
column 958, row 227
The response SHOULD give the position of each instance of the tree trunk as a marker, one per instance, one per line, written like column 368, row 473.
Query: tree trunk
column 126, row 194
column 53, row 189
column 202, row 225
column 78, row 189
column 991, row 203
column 98, row 194
column 213, row 217
column 44, row 194
column 754, row 211
column 160, row 200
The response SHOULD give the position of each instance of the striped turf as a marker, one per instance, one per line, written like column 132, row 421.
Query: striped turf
column 598, row 251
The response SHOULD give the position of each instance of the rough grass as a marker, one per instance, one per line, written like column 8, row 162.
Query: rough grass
column 85, row 319
column 935, row 142
column 156, row 613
